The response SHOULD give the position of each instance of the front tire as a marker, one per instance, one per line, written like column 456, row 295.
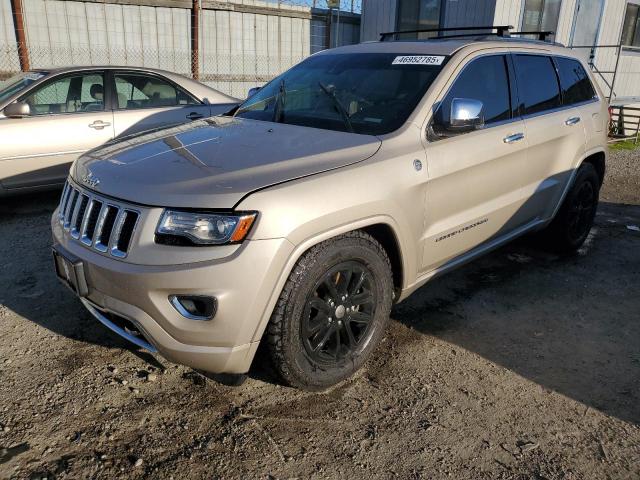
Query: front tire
column 572, row 224
column 332, row 312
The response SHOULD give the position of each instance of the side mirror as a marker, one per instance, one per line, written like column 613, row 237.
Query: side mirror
column 466, row 115
column 17, row 110
column 253, row 91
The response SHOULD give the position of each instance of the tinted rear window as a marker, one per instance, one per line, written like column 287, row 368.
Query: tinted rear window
column 575, row 83
column 537, row 83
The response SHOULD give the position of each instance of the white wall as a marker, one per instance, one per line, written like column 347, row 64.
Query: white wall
column 63, row 33
column 8, row 52
column 237, row 49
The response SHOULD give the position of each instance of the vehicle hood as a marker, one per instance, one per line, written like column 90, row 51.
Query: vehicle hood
column 214, row 163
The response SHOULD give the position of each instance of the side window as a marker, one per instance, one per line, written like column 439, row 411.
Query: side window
column 485, row 79
column 537, row 83
column 575, row 83
column 71, row 94
column 141, row 91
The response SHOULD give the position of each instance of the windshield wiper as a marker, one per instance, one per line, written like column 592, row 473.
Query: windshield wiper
column 278, row 110
column 331, row 93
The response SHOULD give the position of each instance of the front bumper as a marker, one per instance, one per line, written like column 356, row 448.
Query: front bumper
column 242, row 282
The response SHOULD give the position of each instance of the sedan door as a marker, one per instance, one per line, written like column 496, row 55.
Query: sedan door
column 146, row 101
column 67, row 118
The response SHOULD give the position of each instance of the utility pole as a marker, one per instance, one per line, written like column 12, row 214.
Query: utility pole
column 195, row 39
column 21, row 38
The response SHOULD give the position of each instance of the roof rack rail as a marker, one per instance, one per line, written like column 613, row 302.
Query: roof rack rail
column 501, row 31
column 542, row 35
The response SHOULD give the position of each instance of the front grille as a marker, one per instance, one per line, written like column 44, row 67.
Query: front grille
column 97, row 222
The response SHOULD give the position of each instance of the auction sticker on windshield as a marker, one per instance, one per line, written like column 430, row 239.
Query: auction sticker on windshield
column 418, row 60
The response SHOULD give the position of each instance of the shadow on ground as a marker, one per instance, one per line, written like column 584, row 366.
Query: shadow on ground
column 570, row 324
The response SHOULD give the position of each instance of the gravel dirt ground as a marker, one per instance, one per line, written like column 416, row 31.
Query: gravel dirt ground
column 522, row 365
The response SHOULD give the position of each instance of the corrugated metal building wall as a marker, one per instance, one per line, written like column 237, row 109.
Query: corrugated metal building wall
column 380, row 15
column 377, row 16
column 469, row 12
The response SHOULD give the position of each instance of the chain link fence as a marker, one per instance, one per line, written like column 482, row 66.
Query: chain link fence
column 239, row 48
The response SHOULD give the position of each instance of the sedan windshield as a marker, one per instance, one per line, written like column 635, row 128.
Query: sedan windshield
column 18, row 83
column 371, row 93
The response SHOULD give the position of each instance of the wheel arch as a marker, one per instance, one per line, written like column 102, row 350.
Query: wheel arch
column 385, row 236
column 382, row 228
column 598, row 160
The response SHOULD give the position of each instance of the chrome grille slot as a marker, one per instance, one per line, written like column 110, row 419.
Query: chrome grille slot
column 90, row 220
column 64, row 199
column 106, row 224
column 127, row 227
column 73, row 196
column 78, row 216
column 98, row 224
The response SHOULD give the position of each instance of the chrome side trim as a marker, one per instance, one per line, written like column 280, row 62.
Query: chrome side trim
column 478, row 251
column 116, row 329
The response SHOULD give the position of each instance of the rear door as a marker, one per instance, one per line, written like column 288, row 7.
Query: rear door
column 145, row 101
column 554, row 132
column 68, row 117
column 475, row 178
column 578, row 91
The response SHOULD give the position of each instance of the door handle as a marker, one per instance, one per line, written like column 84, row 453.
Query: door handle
column 516, row 137
column 99, row 125
column 194, row 116
column 572, row 121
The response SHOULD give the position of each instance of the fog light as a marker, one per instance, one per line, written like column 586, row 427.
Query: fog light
column 194, row 307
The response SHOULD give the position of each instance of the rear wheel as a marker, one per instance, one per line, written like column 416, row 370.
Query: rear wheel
column 574, row 220
column 332, row 311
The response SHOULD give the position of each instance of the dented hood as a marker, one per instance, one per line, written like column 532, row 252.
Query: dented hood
column 214, row 163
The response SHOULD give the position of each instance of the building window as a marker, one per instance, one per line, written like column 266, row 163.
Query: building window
column 631, row 26
column 417, row 15
column 540, row 15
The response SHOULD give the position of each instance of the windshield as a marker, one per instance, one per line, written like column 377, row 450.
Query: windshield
column 17, row 83
column 370, row 93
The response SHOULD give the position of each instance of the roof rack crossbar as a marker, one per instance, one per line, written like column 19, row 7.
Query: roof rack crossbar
column 542, row 35
column 501, row 30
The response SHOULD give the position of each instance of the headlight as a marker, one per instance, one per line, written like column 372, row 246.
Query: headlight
column 206, row 228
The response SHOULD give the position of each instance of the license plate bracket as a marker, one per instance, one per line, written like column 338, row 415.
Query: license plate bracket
column 70, row 271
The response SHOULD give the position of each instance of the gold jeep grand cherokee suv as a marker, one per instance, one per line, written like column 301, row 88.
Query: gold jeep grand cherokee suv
column 337, row 189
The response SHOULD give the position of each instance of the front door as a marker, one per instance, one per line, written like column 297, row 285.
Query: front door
column 68, row 117
column 475, row 179
column 144, row 102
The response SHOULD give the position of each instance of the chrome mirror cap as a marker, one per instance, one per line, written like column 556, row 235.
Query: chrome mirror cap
column 466, row 114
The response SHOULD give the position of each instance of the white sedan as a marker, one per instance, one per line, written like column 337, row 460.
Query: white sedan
column 50, row 117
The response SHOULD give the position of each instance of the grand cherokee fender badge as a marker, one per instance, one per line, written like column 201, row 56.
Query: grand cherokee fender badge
column 461, row 230
column 90, row 180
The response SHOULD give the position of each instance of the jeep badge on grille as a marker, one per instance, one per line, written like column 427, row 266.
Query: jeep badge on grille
column 90, row 180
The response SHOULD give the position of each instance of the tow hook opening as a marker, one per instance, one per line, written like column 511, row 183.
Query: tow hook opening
column 195, row 307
